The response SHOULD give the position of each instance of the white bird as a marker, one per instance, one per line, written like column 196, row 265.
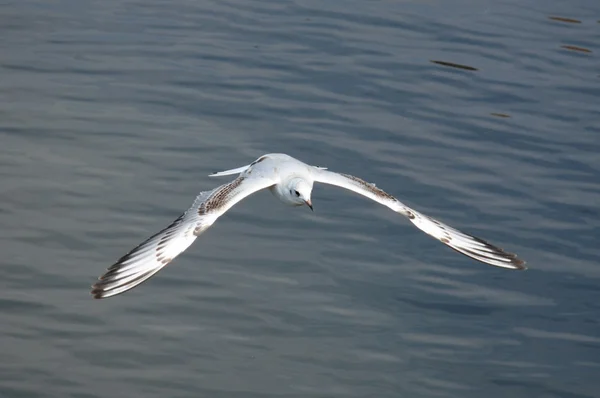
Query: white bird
column 291, row 181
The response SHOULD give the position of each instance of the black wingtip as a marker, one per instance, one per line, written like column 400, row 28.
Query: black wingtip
column 97, row 292
column 519, row 264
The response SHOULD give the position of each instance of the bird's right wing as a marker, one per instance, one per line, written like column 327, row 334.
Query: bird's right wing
column 466, row 244
column 156, row 252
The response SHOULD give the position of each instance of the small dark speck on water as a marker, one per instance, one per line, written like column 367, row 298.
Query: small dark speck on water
column 499, row 114
column 562, row 19
column 576, row 48
column 453, row 65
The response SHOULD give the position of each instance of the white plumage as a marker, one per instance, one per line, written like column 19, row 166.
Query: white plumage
column 291, row 181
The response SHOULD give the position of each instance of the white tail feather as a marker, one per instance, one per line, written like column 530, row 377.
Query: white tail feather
column 229, row 172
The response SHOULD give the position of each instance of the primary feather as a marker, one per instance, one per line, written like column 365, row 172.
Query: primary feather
column 160, row 249
column 466, row 244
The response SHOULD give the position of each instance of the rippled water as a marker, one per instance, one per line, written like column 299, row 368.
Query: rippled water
column 112, row 114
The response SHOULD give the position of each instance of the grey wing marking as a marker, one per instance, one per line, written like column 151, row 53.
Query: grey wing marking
column 463, row 243
column 149, row 257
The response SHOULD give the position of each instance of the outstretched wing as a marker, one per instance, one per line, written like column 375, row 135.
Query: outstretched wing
column 151, row 256
column 468, row 245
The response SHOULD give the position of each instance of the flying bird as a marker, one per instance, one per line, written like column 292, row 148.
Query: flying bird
column 291, row 181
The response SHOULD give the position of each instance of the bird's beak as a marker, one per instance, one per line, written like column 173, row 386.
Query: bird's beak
column 309, row 204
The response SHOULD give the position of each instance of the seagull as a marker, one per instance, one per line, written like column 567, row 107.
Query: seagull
column 291, row 181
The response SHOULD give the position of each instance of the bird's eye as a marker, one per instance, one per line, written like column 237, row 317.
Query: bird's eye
column 297, row 193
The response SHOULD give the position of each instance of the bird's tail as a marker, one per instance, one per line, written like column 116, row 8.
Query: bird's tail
column 229, row 172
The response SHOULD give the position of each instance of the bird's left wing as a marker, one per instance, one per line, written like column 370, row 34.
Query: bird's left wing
column 156, row 252
column 466, row 244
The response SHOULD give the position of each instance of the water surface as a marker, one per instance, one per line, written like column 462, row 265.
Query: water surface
column 113, row 113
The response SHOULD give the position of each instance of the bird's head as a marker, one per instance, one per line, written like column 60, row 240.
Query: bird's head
column 299, row 191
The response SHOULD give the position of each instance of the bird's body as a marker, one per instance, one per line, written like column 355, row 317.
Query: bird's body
column 291, row 181
column 286, row 169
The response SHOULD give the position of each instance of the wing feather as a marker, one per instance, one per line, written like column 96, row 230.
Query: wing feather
column 150, row 256
column 466, row 244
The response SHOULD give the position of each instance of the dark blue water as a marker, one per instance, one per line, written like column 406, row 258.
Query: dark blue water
column 112, row 113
